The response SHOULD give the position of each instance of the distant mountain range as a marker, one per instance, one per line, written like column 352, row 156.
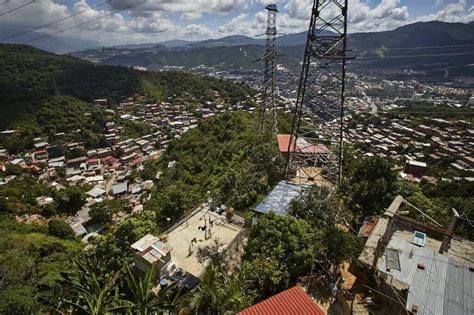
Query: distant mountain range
column 54, row 43
column 429, row 49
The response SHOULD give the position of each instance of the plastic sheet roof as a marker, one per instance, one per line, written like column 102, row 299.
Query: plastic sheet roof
column 280, row 198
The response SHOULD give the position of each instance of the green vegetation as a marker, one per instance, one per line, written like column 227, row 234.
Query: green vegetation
column 60, row 229
column 30, row 266
column 46, row 94
column 438, row 200
column 369, row 185
column 103, row 212
column 223, row 155
column 19, row 197
column 444, row 112
column 218, row 293
column 281, row 249
column 192, row 87
column 29, row 76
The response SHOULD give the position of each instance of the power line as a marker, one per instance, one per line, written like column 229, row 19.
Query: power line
column 83, row 23
column 54, row 22
column 419, row 47
column 17, row 8
column 415, row 56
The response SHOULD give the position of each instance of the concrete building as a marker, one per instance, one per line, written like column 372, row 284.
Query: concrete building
column 151, row 252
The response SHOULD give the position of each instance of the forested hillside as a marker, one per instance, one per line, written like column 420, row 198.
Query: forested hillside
column 223, row 155
column 29, row 77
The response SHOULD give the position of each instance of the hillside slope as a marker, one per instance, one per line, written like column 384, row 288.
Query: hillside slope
column 29, row 77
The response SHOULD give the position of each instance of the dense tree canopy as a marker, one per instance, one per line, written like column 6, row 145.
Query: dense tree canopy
column 287, row 240
column 30, row 266
column 369, row 185
column 60, row 229
column 223, row 155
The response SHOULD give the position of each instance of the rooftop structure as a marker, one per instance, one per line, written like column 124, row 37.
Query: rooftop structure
column 119, row 188
column 291, row 301
column 151, row 251
column 280, row 198
column 413, row 259
column 186, row 236
column 302, row 146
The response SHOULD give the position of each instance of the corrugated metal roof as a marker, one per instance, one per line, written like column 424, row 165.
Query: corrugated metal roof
column 459, row 291
column 293, row 301
column 443, row 287
column 280, row 198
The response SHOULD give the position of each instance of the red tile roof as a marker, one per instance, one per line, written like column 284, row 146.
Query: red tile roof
column 293, row 301
column 283, row 142
column 301, row 145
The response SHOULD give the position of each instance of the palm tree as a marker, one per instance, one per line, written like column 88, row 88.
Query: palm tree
column 94, row 295
column 219, row 293
column 140, row 292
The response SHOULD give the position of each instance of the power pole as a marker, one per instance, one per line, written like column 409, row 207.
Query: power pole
column 267, row 117
column 320, row 95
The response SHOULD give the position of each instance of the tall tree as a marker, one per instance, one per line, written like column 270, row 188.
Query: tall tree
column 93, row 294
column 219, row 293
column 140, row 292
column 369, row 186
column 287, row 240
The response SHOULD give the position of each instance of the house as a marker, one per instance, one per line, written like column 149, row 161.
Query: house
column 77, row 162
column 302, row 146
column 57, row 162
column 119, row 189
column 294, row 301
column 94, row 165
column 96, row 192
column 40, row 156
column 426, row 266
column 44, row 200
column 101, row 101
column 415, row 168
column 151, row 252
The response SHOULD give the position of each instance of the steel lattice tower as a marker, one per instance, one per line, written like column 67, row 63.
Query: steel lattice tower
column 267, row 118
column 320, row 95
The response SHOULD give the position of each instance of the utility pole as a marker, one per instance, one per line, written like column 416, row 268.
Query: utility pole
column 267, row 117
column 320, row 95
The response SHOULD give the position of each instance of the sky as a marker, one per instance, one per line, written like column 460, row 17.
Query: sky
column 117, row 22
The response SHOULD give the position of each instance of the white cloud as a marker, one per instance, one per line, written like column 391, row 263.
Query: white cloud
column 38, row 13
column 179, row 6
column 196, row 19
column 190, row 15
column 453, row 12
column 197, row 30
column 238, row 24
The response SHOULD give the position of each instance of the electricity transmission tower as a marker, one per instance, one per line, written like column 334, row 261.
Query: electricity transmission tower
column 320, row 95
column 267, row 117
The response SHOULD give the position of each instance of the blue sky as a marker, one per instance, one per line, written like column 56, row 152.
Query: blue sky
column 157, row 20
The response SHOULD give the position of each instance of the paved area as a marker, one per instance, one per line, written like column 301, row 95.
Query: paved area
column 197, row 231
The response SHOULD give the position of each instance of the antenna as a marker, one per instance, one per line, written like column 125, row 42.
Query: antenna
column 267, row 117
column 320, row 96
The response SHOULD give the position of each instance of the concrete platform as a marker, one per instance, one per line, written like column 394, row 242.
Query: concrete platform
column 183, row 253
